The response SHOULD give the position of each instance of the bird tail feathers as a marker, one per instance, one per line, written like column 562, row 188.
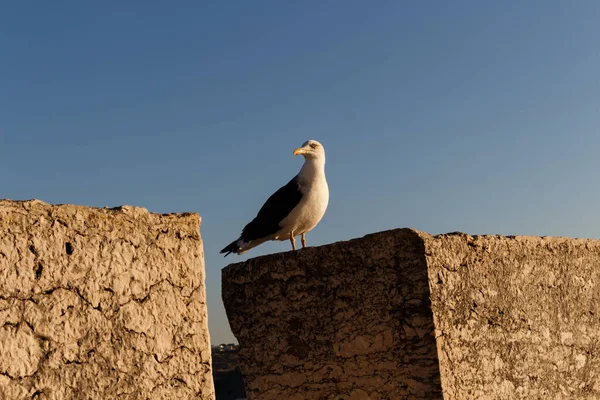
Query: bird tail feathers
column 240, row 246
column 233, row 247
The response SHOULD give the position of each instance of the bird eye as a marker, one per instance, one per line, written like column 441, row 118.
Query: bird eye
column 313, row 145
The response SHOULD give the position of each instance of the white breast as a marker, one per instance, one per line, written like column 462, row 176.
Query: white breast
column 308, row 212
column 315, row 198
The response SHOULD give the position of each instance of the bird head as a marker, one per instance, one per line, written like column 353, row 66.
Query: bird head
column 311, row 149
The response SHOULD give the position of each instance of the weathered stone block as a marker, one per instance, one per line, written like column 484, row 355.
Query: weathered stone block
column 345, row 321
column 405, row 315
column 101, row 304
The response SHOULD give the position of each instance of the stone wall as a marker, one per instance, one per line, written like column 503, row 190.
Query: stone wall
column 516, row 318
column 101, row 304
column 513, row 318
column 346, row 321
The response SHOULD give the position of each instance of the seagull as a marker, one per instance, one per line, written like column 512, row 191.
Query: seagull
column 294, row 209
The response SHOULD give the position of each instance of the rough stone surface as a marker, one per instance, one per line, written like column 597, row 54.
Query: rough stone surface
column 518, row 317
column 514, row 317
column 101, row 304
column 346, row 321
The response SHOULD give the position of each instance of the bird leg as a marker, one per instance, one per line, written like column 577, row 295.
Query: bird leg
column 303, row 241
column 293, row 241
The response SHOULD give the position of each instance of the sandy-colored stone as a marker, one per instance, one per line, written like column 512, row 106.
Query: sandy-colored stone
column 516, row 317
column 101, row 304
column 513, row 318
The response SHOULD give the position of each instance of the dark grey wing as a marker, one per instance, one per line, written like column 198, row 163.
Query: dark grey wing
column 276, row 208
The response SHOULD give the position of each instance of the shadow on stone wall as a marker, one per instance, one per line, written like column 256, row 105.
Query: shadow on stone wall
column 515, row 318
column 350, row 320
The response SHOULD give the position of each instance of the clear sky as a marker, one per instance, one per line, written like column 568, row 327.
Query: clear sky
column 482, row 117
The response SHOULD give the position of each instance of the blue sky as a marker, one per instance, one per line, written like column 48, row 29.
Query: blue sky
column 482, row 117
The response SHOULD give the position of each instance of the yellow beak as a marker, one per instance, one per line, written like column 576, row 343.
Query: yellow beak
column 299, row 150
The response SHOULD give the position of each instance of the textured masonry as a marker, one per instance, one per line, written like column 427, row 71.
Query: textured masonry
column 405, row 315
column 101, row 304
